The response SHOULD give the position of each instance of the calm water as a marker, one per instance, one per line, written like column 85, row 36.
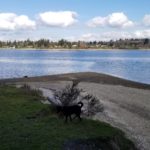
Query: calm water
column 133, row 65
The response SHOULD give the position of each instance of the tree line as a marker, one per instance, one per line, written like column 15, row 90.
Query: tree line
column 65, row 44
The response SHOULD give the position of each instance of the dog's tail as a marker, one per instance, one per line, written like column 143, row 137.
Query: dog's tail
column 81, row 104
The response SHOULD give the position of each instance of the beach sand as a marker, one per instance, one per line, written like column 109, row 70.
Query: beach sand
column 126, row 103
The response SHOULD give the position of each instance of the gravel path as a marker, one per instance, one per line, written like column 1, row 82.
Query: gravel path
column 126, row 108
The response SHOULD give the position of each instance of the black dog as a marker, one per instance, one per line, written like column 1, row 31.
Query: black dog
column 67, row 111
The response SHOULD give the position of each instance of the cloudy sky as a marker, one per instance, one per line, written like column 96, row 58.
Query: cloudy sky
column 74, row 19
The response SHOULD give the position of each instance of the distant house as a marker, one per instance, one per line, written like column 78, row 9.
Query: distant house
column 74, row 46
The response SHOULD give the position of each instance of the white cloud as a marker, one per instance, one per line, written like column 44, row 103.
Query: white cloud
column 6, row 21
column 58, row 19
column 23, row 22
column 114, row 35
column 142, row 34
column 118, row 20
column 15, row 23
column 146, row 20
column 97, row 21
column 11, row 21
column 106, row 36
column 89, row 37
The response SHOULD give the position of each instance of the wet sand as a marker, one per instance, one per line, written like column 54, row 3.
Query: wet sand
column 126, row 103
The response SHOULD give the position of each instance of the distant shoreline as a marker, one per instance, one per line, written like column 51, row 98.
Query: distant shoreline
column 72, row 49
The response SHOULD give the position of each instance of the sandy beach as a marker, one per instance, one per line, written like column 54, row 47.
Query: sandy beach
column 126, row 103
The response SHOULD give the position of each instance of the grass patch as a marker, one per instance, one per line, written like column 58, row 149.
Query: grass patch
column 26, row 124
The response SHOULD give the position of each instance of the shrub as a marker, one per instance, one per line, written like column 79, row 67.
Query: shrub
column 68, row 95
column 93, row 105
column 71, row 94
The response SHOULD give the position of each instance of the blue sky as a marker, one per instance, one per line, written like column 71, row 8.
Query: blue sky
column 74, row 19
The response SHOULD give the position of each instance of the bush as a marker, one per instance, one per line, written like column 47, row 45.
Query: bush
column 93, row 105
column 68, row 95
column 71, row 94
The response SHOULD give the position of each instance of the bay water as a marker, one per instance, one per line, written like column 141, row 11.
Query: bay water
column 129, row 64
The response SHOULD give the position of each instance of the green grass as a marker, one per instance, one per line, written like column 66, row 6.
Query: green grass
column 26, row 124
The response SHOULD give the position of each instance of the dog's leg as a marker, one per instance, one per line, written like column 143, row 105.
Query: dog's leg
column 75, row 117
column 66, row 120
column 79, row 117
column 70, row 117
